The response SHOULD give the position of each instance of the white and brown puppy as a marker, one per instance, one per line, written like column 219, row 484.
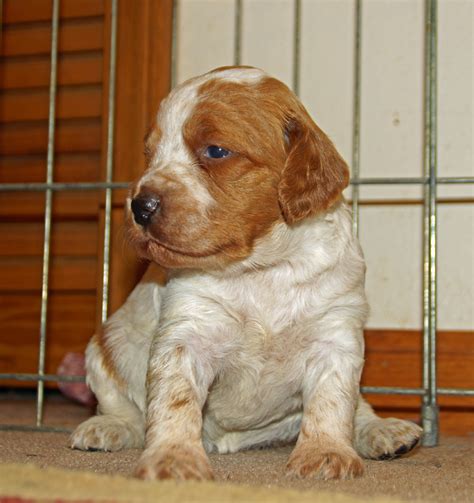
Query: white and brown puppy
column 255, row 335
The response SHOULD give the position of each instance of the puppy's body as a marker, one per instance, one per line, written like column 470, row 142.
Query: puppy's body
column 256, row 336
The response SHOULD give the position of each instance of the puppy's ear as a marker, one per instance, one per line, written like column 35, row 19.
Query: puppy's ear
column 314, row 175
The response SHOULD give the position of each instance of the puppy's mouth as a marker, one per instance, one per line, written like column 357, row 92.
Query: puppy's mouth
column 151, row 247
column 195, row 251
column 152, row 243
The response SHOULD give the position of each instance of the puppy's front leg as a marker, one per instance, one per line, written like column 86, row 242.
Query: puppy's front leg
column 178, row 382
column 330, row 392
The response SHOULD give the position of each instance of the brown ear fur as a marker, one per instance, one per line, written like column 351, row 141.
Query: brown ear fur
column 314, row 175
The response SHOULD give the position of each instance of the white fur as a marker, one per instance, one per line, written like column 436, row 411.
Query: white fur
column 266, row 350
column 274, row 329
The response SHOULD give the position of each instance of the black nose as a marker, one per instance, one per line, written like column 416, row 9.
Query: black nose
column 144, row 207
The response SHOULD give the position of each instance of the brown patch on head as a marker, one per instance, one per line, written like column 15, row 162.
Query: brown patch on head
column 243, row 120
column 272, row 125
column 280, row 166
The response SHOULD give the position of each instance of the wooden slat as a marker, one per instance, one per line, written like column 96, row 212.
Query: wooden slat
column 23, row 206
column 68, row 167
column 32, row 138
column 33, row 105
column 73, row 69
column 21, row 316
column 68, row 239
column 394, row 358
column 70, row 274
column 74, row 36
column 70, row 325
column 15, row 11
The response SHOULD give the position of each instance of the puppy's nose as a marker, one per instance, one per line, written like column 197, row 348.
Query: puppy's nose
column 144, row 206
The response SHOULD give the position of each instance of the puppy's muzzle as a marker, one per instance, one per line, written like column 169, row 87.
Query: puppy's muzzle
column 144, row 206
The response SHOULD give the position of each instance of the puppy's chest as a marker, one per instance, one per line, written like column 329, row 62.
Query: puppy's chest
column 260, row 381
column 276, row 322
column 271, row 309
column 255, row 315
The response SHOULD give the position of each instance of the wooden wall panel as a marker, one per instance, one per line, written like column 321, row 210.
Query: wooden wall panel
column 68, row 239
column 77, row 135
column 71, row 315
column 34, row 40
column 24, row 206
column 394, row 358
column 143, row 56
column 68, row 167
column 75, row 240
column 66, row 273
column 73, row 69
column 40, row 10
column 33, row 105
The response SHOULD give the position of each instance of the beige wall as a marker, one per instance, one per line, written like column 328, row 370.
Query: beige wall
column 391, row 123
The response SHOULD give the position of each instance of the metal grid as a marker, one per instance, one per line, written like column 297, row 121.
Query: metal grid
column 429, row 390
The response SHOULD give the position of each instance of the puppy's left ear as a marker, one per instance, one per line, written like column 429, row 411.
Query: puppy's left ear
column 314, row 175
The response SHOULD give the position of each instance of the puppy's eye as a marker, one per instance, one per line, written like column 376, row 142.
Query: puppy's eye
column 215, row 152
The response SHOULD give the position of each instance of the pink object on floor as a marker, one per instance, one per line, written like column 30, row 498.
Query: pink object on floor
column 73, row 364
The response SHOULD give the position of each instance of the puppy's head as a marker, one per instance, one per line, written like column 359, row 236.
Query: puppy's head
column 232, row 153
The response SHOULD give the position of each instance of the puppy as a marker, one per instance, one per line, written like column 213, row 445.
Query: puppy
column 253, row 335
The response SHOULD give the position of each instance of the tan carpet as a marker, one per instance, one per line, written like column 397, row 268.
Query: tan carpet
column 33, row 484
column 444, row 473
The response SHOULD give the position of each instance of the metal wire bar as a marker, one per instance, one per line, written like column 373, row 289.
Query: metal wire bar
column 238, row 32
column 430, row 412
column 455, row 391
column 364, row 389
column 356, row 119
column 110, row 159
column 57, row 186
column 48, row 211
column 447, row 180
column 296, row 46
column 42, row 377
column 38, row 187
column 389, row 390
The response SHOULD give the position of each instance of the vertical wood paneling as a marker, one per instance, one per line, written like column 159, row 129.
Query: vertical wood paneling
column 77, row 230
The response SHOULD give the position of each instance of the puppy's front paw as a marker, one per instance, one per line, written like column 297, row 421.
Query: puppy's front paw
column 105, row 433
column 175, row 462
column 387, row 438
column 311, row 460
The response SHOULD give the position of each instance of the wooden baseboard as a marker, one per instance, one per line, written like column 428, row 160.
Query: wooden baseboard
column 394, row 358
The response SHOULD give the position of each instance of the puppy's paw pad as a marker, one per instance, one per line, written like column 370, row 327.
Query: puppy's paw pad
column 403, row 449
column 324, row 464
column 104, row 433
column 385, row 439
column 176, row 463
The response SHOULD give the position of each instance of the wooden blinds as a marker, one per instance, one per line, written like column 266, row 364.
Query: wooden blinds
column 80, row 146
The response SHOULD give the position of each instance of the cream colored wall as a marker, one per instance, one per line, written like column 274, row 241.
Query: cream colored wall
column 391, row 123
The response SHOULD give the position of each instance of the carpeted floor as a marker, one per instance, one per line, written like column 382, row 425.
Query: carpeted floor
column 444, row 473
